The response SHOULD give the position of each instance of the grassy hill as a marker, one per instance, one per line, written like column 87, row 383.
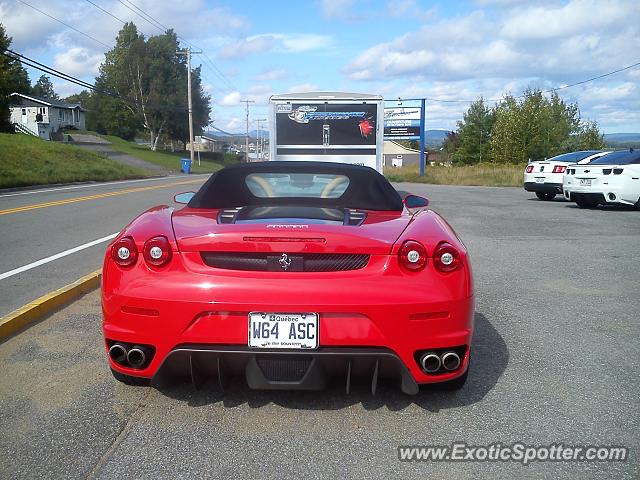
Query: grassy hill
column 26, row 160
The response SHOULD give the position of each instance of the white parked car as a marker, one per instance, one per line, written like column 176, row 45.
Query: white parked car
column 611, row 179
column 545, row 177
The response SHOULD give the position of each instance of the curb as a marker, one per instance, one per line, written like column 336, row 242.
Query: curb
column 34, row 311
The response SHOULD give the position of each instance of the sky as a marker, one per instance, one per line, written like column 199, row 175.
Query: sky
column 450, row 52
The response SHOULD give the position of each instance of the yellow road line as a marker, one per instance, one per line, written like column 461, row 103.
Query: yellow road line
column 34, row 311
column 91, row 197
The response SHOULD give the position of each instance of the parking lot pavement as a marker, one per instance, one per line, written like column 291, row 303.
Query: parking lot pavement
column 555, row 360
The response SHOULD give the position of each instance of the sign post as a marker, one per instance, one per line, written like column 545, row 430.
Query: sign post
column 422, row 160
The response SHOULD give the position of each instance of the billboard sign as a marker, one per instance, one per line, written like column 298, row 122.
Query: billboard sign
column 402, row 123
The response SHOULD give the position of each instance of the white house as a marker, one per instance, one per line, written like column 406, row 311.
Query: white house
column 43, row 117
column 396, row 155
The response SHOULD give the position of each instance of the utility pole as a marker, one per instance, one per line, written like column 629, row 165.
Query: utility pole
column 188, row 53
column 247, row 102
column 260, row 120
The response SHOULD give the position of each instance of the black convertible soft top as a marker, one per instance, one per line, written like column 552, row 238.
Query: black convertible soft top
column 367, row 189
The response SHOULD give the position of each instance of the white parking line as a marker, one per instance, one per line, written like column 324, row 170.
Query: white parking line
column 24, row 268
column 105, row 184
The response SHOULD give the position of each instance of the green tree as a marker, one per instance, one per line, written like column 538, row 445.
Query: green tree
column 474, row 133
column 44, row 89
column 150, row 80
column 178, row 124
column 13, row 78
column 536, row 127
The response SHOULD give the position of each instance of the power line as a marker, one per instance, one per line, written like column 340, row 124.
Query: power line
column 65, row 24
column 160, row 26
column 551, row 90
column 144, row 16
column 69, row 78
column 105, row 11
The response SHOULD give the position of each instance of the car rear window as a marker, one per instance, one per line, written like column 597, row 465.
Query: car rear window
column 619, row 158
column 573, row 157
column 307, row 185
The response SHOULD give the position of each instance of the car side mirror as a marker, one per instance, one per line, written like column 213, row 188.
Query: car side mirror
column 183, row 197
column 415, row 201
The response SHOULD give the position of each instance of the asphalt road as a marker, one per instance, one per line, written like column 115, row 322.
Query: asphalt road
column 555, row 360
column 38, row 224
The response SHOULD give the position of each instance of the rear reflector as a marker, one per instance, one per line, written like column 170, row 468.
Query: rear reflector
column 140, row 311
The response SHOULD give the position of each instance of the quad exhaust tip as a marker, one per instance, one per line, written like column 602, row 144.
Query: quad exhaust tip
column 430, row 362
column 450, row 361
column 137, row 357
column 118, row 353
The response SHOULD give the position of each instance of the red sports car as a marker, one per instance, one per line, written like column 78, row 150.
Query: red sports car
column 289, row 274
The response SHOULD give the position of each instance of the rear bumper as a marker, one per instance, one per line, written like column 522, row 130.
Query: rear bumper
column 186, row 317
column 609, row 193
column 543, row 187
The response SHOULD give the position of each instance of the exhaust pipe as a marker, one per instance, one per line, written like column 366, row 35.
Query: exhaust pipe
column 118, row 353
column 430, row 362
column 450, row 360
column 137, row 356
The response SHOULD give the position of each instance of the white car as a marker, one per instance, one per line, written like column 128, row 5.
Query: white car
column 545, row 177
column 611, row 179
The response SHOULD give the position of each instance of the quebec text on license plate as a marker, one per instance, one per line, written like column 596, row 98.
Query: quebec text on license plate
column 283, row 330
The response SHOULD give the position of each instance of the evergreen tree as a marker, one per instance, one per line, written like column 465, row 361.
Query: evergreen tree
column 13, row 78
column 474, row 133
column 44, row 89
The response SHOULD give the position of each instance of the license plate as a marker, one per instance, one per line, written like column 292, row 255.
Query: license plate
column 539, row 179
column 585, row 181
column 283, row 330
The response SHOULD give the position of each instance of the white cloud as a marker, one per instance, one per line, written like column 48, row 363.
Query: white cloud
column 337, row 8
column 78, row 62
column 278, row 42
column 231, row 99
column 576, row 17
column 479, row 46
column 273, row 74
column 247, row 46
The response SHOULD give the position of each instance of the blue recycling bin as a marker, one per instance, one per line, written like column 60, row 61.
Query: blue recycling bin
column 185, row 165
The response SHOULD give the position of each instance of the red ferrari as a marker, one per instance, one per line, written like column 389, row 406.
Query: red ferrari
column 289, row 274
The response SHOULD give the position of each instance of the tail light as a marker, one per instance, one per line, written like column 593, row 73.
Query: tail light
column 157, row 251
column 124, row 252
column 412, row 255
column 529, row 169
column 559, row 169
column 617, row 171
column 446, row 258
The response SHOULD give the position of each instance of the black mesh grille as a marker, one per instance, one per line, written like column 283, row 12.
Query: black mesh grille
column 307, row 262
column 288, row 369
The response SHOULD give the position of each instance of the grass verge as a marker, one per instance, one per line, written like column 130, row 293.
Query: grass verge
column 209, row 161
column 27, row 160
column 484, row 174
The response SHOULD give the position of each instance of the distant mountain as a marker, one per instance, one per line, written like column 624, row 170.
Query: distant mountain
column 622, row 137
column 434, row 138
column 252, row 134
column 622, row 140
